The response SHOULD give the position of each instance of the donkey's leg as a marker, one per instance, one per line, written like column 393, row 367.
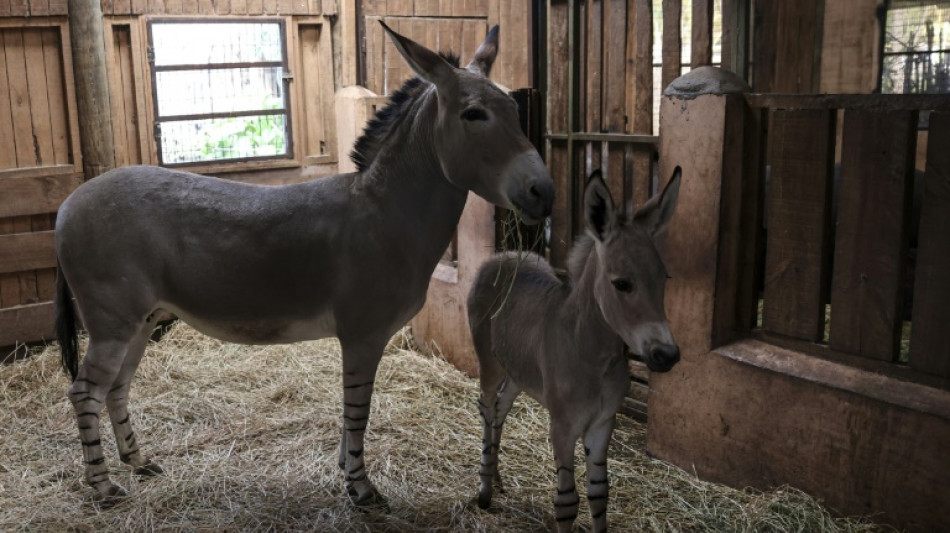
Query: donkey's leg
column 360, row 360
column 88, row 393
column 563, row 438
column 117, row 402
column 496, row 400
column 596, row 441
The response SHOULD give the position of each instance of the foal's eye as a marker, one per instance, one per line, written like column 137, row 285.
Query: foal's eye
column 474, row 113
column 622, row 285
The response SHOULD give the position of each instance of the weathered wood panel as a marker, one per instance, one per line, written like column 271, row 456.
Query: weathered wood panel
column 787, row 46
column 871, row 239
column 26, row 323
column 701, row 44
column 929, row 347
column 26, row 251
column 315, row 92
column 36, row 195
column 800, row 152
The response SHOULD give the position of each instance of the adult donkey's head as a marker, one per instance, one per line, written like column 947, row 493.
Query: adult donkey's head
column 477, row 135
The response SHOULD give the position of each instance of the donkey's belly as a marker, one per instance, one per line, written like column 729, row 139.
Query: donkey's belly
column 262, row 330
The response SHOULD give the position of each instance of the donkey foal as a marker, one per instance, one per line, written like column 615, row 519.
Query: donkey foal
column 562, row 342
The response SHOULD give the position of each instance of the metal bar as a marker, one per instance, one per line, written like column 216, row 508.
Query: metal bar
column 630, row 138
column 217, row 66
column 234, row 114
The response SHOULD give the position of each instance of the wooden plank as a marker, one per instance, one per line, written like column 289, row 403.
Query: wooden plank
column 672, row 41
column 39, row 96
column 5, row 9
column 19, row 100
column 36, row 195
column 27, row 323
column 929, row 349
column 174, row 7
column 39, row 8
column 20, row 8
column 190, row 7
column 593, row 67
column 56, row 93
column 701, row 47
column 29, row 250
column 139, row 7
column 116, row 37
column 27, row 279
column 7, row 156
column 58, row 7
column 45, row 277
column 9, row 283
column 375, row 54
column 800, row 152
column 309, row 77
column 735, row 36
column 157, row 7
column 124, row 7
column 872, row 224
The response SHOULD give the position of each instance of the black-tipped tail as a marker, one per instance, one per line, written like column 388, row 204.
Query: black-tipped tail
column 66, row 326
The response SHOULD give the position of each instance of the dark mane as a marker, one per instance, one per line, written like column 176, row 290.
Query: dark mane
column 367, row 146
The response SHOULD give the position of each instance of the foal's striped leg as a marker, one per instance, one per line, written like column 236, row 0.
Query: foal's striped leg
column 596, row 441
column 117, row 402
column 494, row 405
column 88, row 394
column 566, row 501
column 359, row 372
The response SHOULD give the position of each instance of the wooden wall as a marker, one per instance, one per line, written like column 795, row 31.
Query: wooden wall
column 40, row 162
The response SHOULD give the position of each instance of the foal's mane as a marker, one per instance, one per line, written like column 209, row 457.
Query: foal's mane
column 367, row 146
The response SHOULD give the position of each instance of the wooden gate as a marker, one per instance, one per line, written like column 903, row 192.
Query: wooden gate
column 41, row 167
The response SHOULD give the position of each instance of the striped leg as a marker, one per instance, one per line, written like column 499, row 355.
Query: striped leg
column 596, row 441
column 566, row 501
column 494, row 405
column 117, row 402
column 88, row 393
column 360, row 361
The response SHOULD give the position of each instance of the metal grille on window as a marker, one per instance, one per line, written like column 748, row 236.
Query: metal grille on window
column 916, row 54
column 219, row 90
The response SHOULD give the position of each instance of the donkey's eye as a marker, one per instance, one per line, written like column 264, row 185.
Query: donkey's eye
column 622, row 285
column 474, row 113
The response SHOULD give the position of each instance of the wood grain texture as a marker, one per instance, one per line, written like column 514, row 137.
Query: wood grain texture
column 800, row 153
column 929, row 348
column 872, row 229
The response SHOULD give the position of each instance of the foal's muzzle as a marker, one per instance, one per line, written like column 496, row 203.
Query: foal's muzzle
column 530, row 189
column 662, row 357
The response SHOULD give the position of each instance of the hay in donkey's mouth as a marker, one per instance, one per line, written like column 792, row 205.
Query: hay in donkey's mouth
column 248, row 438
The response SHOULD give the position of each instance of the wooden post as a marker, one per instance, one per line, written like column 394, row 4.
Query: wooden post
column 92, row 86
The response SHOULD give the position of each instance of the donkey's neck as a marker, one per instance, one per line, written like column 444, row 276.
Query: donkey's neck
column 406, row 183
column 593, row 336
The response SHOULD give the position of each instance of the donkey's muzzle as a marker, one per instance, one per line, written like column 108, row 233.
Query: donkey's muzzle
column 531, row 190
column 663, row 357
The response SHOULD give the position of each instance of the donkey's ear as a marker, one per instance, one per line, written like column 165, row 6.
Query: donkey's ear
column 486, row 53
column 427, row 64
column 657, row 211
column 598, row 207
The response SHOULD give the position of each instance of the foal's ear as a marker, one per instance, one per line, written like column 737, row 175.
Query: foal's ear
column 598, row 207
column 486, row 53
column 427, row 64
column 657, row 211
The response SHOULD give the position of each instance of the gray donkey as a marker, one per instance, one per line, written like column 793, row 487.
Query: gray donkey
column 562, row 342
column 347, row 256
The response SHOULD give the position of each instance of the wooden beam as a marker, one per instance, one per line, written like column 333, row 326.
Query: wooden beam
column 20, row 252
column 701, row 48
column 672, row 41
column 27, row 323
column 92, row 86
column 36, row 195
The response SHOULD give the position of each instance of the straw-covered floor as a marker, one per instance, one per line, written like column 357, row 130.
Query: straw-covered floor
column 248, row 438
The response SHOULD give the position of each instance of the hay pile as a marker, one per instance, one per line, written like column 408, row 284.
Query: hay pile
column 248, row 439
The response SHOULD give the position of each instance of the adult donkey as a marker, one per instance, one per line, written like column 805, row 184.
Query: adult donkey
column 347, row 256
column 562, row 341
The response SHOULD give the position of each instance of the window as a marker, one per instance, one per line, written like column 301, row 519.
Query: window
column 220, row 91
column 915, row 54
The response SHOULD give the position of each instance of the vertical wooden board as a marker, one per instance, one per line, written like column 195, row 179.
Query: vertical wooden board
column 375, row 53
column 593, row 67
column 39, row 8
column 45, row 277
column 27, row 280
column 56, row 92
column 641, row 184
column 701, row 47
column 254, row 7
column 7, row 156
column 672, row 41
column 473, row 34
column 39, row 96
column 20, row 8
column 174, row 7
column 800, row 152
column 426, row 8
column 139, row 7
column 20, row 99
column 615, row 65
column 157, row 7
column 643, row 102
column 309, row 77
column 929, row 349
column 58, row 7
column 558, row 72
column 5, row 9
column 284, row 7
column 115, row 40
column 400, row 8
column 124, row 7
column 871, row 239
column 562, row 213
column 9, row 283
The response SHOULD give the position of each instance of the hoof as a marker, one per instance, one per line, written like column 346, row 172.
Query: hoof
column 370, row 501
column 112, row 496
column 149, row 469
column 484, row 501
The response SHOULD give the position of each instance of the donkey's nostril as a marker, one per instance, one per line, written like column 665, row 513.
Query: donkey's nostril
column 533, row 191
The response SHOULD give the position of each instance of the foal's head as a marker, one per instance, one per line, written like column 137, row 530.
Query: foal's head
column 477, row 134
column 631, row 278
